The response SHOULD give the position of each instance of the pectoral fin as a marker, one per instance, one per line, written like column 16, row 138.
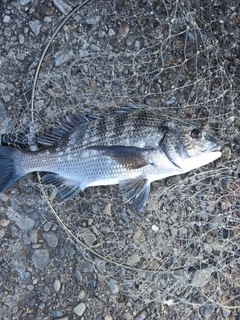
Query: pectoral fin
column 137, row 190
column 129, row 157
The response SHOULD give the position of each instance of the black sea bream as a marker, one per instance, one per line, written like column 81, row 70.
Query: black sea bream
column 131, row 148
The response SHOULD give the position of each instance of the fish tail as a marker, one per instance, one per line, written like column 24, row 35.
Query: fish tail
column 10, row 171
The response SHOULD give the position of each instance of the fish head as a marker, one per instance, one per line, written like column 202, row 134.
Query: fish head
column 188, row 146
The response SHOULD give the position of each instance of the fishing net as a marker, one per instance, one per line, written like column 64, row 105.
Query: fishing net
column 181, row 57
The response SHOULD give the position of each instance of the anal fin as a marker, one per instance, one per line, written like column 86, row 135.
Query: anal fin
column 64, row 192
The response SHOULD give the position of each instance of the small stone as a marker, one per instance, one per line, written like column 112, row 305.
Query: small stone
column 21, row 39
column 79, row 309
column 2, row 233
column 124, row 217
column 122, row 31
column 139, row 236
column 56, row 285
column 141, row 316
column 56, row 313
column 35, row 26
column 78, row 275
column 111, row 32
column 225, row 312
column 7, row 32
column 24, row 2
column 133, row 259
column 88, row 237
column 206, row 311
column 33, row 236
column 201, row 277
column 88, row 268
column 62, row 6
column 93, row 20
column 25, row 223
column 26, row 239
column 81, row 295
column 41, row 258
column 108, row 317
column 51, row 238
column 155, row 228
column 94, row 48
column 49, row 278
column 6, row 97
column 47, row 226
column 62, row 56
column 6, row 19
column 112, row 286
column 47, row 19
column 137, row 45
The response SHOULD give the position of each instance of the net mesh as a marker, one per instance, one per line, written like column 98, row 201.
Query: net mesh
column 179, row 56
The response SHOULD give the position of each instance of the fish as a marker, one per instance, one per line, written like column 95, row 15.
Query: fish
column 130, row 147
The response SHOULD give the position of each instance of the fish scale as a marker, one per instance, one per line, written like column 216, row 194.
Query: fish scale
column 130, row 147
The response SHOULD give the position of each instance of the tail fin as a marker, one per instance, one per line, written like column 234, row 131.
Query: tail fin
column 9, row 172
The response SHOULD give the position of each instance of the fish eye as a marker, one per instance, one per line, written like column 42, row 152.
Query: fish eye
column 196, row 134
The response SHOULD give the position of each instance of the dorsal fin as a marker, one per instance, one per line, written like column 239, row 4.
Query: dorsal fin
column 53, row 135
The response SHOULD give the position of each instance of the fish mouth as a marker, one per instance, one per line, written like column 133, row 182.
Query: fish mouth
column 213, row 149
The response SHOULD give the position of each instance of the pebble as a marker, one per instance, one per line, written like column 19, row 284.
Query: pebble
column 88, row 237
column 225, row 312
column 56, row 313
column 94, row 48
column 47, row 226
column 155, row 228
column 88, row 268
column 137, row 45
column 6, row 19
column 7, row 32
column 112, row 286
column 62, row 6
column 21, row 39
column 206, row 311
column 133, row 259
column 51, row 238
column 56, row 285
column 25, row 223
column 111, row 32
column 33, row 236
column 24, row 2
column 26, row 239
column 201, row 277
column 79, row 309
column 2, row 233
column 35, row 26
column 124, row 217
column 141, row 316
column 41, row 258
column 81, row 295
column 62, row 56
column 93, row 20
column 78, row 275
column 49, row 278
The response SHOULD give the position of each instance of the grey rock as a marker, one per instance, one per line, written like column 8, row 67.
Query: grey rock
column 137, row 45
column 112, row 286
column 33, row 236
column 26, row 239
column 201, row 277
column 206, row 311
column 225, row 312
column 25, row 223
column 6, row 19
column 49, row 278
column 134, row 258
column 24, row 2
column 41, row 258
column 94, row 48
column 88, row 268
column 47, row 226
column 78, row 275
column 81, row 295
column 93, row 20
column 124, row 217
column 35, row 26
column 7, row 32
column 56, row 313
column 79, row 309
column 51, row 238
column 62, row 6
column 141, row 316
column 56, row 285
column 88, row 237
column 21, row 39
column 62, row 56
column 2, row 233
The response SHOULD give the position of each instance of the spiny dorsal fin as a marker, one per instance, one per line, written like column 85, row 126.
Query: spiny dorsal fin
column 53, row 135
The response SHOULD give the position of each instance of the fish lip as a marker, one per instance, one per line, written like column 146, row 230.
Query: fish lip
column 214, row 149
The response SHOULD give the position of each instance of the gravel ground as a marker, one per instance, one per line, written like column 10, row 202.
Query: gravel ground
column 182, row 56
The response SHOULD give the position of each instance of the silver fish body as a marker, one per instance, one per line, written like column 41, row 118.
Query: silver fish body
column 130, row 148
